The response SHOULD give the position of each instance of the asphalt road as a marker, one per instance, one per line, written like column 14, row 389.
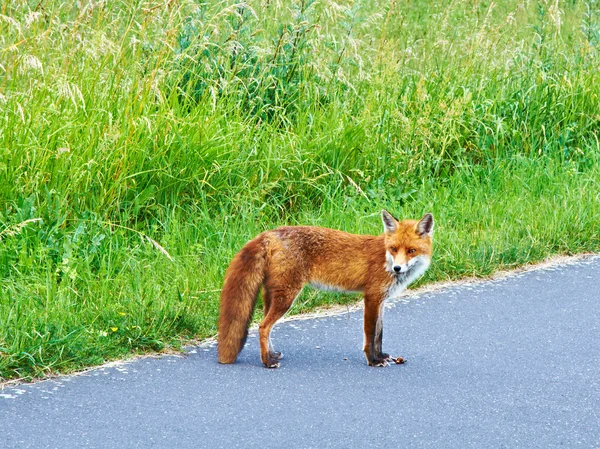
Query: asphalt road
column 512, row 363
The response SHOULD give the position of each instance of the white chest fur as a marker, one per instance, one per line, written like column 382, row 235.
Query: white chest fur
column 417, row 266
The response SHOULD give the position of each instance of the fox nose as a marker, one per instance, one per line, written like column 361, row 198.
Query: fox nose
column 397, row 268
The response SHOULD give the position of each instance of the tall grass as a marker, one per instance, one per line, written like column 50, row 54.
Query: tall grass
column 142, row 143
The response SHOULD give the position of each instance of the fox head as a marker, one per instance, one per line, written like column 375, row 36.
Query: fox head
column 408, row 244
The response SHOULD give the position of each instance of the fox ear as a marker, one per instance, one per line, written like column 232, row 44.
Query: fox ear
column 425, row 226
column 390, row 224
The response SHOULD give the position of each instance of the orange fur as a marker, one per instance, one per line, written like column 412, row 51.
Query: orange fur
column 285, row 259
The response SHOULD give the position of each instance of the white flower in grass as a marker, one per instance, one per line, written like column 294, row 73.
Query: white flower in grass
column 31, row 63
column 70, row 91
column 555, row 15
column 62, row 150
column 11, row 22
column 32, row 17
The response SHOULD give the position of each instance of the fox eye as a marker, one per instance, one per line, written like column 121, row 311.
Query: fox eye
column 394, row 249
column 412, row 251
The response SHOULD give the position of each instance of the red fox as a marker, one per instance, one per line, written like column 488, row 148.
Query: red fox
column 285, row 259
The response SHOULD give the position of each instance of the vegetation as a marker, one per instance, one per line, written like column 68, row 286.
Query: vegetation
column 143, row 142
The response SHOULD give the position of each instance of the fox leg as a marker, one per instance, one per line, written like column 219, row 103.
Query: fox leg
column 267, row 299
column 267, row 306
column 279, row 301
column 373, row 324
column 379, row 335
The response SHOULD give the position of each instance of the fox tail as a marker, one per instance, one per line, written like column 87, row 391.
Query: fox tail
column 243, row 279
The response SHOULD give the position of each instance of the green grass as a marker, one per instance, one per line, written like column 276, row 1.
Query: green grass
column 143, row 142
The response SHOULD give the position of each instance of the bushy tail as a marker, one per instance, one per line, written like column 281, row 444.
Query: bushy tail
column 238, row 297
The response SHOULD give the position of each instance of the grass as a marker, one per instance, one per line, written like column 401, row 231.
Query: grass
column 142, row 143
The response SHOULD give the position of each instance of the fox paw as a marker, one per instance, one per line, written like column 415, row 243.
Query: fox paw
column 276, row 355
column 385, row 360
column 271, row 363
column 380, row 362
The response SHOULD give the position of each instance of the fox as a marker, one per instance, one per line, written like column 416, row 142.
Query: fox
column 283, row 260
